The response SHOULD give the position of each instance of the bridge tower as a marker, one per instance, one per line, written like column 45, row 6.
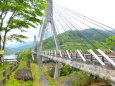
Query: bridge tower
column 49, row 20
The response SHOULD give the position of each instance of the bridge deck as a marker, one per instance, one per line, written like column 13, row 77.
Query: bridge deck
column 91, row 65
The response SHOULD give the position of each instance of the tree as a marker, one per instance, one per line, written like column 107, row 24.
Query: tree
column 21, row 15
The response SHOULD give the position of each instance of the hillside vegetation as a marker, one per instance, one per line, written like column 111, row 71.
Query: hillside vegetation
column 67, row 40
column 74, row 40
column 16, row 48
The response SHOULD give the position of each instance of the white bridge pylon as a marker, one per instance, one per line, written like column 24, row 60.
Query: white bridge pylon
column 49, row 20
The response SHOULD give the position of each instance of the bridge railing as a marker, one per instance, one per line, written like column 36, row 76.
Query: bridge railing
column 81, row 57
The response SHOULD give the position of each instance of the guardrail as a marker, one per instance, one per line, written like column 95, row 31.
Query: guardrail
column 89, row 58
column 5, row 74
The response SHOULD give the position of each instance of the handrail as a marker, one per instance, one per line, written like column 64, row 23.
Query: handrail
column 5, row 73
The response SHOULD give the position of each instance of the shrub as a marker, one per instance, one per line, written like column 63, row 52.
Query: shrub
column 65, row 70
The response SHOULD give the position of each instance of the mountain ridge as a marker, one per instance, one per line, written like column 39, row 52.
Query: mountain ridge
column 93, row 34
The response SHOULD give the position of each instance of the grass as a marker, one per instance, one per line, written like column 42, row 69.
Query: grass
column 2, row 66
column 50, row 80
column 82, row 79
column 13, row 82
column 35, row 75
column 60, row 80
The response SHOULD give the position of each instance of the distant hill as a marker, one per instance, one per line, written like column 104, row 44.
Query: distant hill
column 15, row 48
column 8, row 51
column 96, row 34
column 74, row 37
column 64, row 38
column 91, row 34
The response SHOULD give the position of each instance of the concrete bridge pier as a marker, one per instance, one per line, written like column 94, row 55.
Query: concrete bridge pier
column 49, row 20
column 57, row 70
column 40, row 61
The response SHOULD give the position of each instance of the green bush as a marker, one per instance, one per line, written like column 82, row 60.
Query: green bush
column 25, row 55
column 65, row 70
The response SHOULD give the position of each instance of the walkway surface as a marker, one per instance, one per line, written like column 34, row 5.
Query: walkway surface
column 43, row 80
column 68, row 82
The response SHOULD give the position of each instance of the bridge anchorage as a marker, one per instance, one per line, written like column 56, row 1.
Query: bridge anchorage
column 96, row 63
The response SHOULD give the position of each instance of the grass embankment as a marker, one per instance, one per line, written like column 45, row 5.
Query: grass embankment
column 83, row 79
column 2, row 66
column 13, row 82
column 50, row 80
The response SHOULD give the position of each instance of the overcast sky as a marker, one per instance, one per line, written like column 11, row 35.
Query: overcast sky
column 100, row 10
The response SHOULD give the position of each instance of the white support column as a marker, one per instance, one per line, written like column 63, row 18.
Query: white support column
column 111, row 50
column 39, row 48
column 60, row 53
column 105, row 56
column 32, row 56
column 82, row 57
column 49, row 19
column 55, row 35
column 55, row 52
column 68, row 54
column 58, row 65
column 98, row 59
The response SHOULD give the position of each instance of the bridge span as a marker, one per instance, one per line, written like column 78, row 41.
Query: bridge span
column 91, row 65
column 63, row 24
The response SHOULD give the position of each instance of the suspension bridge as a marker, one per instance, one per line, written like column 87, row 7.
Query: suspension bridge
column 95, row 61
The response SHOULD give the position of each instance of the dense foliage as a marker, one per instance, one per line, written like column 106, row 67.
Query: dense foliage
column 25, row 55
column 65, row 70
column 20, row 15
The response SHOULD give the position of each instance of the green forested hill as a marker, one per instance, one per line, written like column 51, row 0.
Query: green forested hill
column 67, row 40
column 91, row 34
column 16, row 48
column 74, row 40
